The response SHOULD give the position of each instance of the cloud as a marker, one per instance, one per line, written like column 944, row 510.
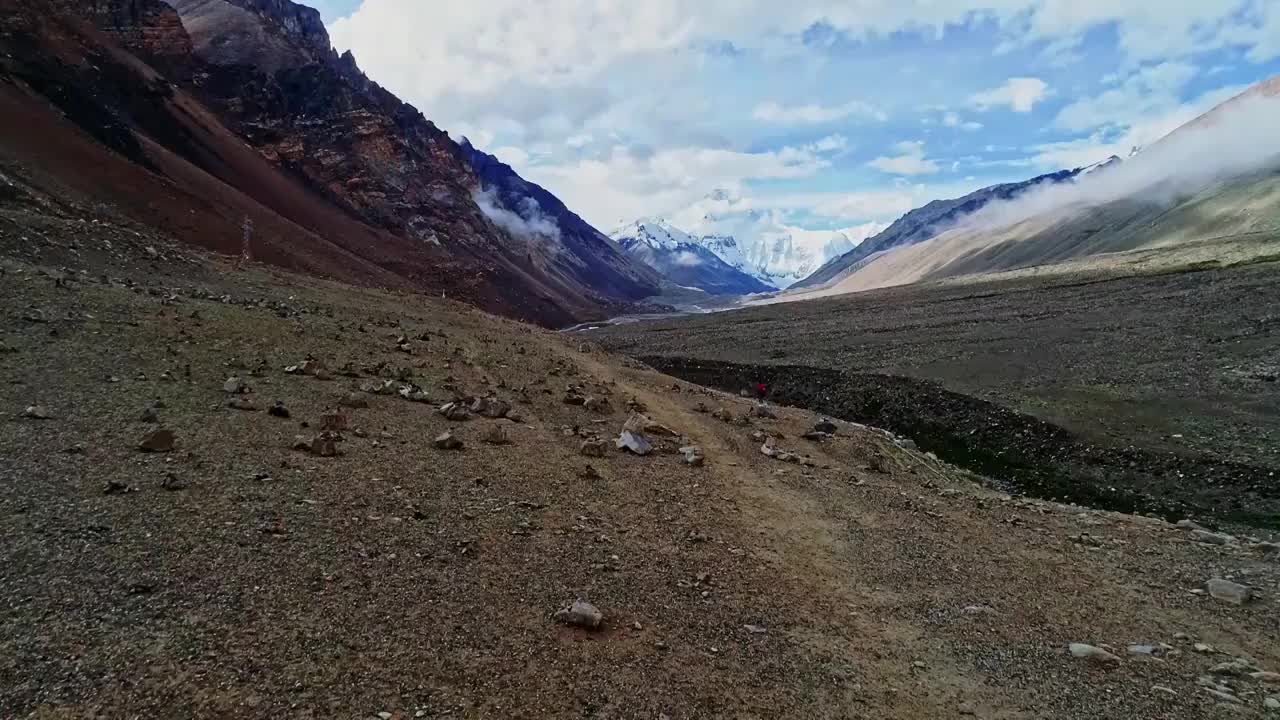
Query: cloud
column 684, row 258
column 1241, row 135
column 952, row 120
column 528, row 224
column 1020, row 94
column 1151, row 89
column 830, row 144
column 910, row 160
column 772, row 112
column 625, row 183
column 1137, row 127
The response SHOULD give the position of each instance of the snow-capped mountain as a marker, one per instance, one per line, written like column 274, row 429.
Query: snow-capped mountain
column 760, row 242
column 685, row 260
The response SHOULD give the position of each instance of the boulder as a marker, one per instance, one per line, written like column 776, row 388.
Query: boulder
column 447, row 441
column 158, row 441
column 593, row 448
column 1092, row 654
column 495, row 435
column 634, row 442
column 580, row 614
column 1229, row 592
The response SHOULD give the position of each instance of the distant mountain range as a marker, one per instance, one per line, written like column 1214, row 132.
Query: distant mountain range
column 686, row 261
column 751, row 241
column 191, row 116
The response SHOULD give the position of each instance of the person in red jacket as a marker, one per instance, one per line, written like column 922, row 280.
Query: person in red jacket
column 761, row 390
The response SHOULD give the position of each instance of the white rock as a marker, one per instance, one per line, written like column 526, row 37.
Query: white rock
column 1092, row 654
column 1213, row 538
column 1228, row 591
column 634, row 442
column 580, row 614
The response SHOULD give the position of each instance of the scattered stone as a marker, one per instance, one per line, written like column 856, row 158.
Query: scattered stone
column 1092, row 654
column 495, row 435
column 242, row 403
column 77, row 449
column 966, row 709
column 763, row 411
column 634, row 442
column 149, row 415
column 1265, row 676
column 693, row 455
column 756, row 629
column 701, row 407
column 455, row 412
column 234, row 386
column 1212, row 538
column 447, row 441
column 979, row 610
column 158, row 441
column 35, row 315
column 1271, row 703
column 37, row 412
column 354, row 400
column 1152, row 650
column 333, row 421
column 589, row 472
column 1228, row 591
column 278, row 410
column 115, row 487
column 1233, row 668
column 490, row 407
column 769, row 449
column 1222, row 695
column 1163, row 690
column 598, row 405
column 580, row 614
column 1204, row 648
column 593, row 448
column 1186, row 524
column 323, row 445
column 172, row 483
column 816, row 436
column 825, row 426
column 574, row 399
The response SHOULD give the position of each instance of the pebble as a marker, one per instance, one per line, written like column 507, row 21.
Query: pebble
column 1204, row 648
column 37, row 412
column 634, row 442
column 693, row 455
column 149, row 415
column 1213, row 538
column 1228, row 591
column 495, row 435
column 455, row 412
column 447, row 441
column 157, row 441
column 278, row 410
column 1271, row 703
column 234, row 385
column 756, row 629
column 580, row 614
column 1092, row 654
column 593, row 448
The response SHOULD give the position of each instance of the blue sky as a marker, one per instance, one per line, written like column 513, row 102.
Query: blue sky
column 828, row 113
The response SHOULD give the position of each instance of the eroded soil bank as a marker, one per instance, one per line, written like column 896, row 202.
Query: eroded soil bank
column 1024, row 453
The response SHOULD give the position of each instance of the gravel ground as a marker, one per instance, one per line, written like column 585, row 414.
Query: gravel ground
column 237, row 577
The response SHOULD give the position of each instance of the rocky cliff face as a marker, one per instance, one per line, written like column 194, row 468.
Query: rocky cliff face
column 148, row 26
column 262, row 73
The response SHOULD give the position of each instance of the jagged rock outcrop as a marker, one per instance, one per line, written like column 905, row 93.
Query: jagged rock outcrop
column 246, row 104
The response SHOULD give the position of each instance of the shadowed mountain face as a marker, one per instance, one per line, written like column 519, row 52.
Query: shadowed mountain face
column 240, row 108
column 925, row 222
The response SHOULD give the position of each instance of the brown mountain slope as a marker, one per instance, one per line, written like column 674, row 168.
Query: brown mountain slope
column 361, row 186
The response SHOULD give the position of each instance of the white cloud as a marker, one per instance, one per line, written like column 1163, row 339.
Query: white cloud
column 1151, row 89
column 1126, row 129
column 952, row 120
column 687, row 259
column 1020, row 94
column 830, row 143
column 529, row 223
column 910, row 160
column 772, row 112
column 626, row 184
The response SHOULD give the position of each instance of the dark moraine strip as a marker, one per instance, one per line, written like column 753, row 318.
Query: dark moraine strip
column 1019, row 451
